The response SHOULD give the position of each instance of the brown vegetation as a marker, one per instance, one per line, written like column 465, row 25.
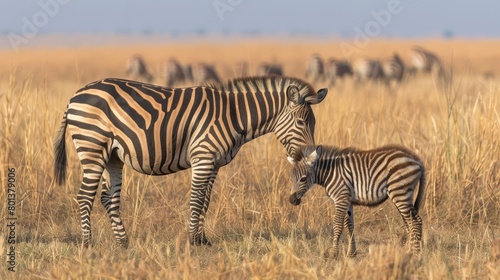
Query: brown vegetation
column 255, row 231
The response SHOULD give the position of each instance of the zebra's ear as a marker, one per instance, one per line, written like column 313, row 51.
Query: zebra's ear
column 319, row 151
column 293, row 94
column 314, row 156
column 318, row 97
column 291, row 160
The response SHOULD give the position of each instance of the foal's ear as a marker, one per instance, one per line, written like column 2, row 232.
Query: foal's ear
column 291, row 160
column 314, row 155
column 319, row 151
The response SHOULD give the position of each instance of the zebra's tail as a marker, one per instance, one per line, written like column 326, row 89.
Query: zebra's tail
column 60, row 161
column 420, row 196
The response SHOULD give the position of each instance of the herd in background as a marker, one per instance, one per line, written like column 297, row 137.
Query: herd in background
column 387, row 70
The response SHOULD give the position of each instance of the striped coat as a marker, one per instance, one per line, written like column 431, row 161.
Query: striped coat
column 204, row 73
column 355, row 177
column 175, row 73
column 137, row 69
column 424, row 61
column 393, row 68
column 315, row 68
column 268, row 69
column 159, row 131
column 338, row 69
column 368, row 69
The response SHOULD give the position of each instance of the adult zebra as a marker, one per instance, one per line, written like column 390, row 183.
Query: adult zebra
column 137, row 69
column 204, row 73
column 269, row 69
column 368, row 69
column 393, row 68
column 338, row 69
column 160, row 131
column 175, row 73
column 425, row 61
column 355, row 177
column 315, row 68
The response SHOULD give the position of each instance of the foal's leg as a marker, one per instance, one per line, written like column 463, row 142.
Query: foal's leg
column 340, row 197
column 349, row 225
column 404, row 203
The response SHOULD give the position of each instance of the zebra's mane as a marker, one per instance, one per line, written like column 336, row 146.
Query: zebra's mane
column 261, row 83
column 329, row 152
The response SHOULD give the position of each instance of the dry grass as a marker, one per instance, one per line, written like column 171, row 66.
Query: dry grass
column 255, row 232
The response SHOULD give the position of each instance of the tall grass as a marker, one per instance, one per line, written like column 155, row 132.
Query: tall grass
column 255, row 232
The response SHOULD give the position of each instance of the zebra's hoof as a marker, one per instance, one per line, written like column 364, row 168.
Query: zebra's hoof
column 331, row 253
column 199, row 240
column 123, row 243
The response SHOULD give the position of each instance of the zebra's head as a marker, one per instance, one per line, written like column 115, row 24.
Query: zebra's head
column 295, row 125
column 303, row 174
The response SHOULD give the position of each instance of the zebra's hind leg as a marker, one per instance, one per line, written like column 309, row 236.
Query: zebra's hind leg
column 412, row 221
column 92, row 173
column 349, row 225
column 206, row 204
column 203, row 177
column 416, row 232
column 110, row 198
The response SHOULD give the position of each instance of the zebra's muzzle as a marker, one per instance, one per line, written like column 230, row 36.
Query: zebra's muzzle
column 294, row 200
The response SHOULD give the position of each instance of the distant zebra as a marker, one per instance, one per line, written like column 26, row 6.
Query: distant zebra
column 315, row 68
column 424, row 61
column 268, row 69
column 355, row 177
column 240, row 69
column 204, row 73
column 393, row 68
column 158, row 131
column 338, row 69
column 368, row 69
column 175, row 73
column 137, row 70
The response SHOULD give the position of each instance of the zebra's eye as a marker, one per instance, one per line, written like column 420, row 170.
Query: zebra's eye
column 300, row 122
column 303, row 179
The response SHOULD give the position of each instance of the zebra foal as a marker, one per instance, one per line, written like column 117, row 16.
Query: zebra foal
column 159, row 131
column 356, row 177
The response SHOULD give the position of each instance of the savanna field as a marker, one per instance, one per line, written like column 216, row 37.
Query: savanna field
column 255, row 232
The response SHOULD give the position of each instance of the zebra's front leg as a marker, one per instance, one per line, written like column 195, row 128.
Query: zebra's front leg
column 341, row 206
column 110, row 199
column 203, row 176
column 349, row 225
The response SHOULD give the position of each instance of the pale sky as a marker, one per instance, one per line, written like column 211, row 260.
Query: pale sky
column 323, row 18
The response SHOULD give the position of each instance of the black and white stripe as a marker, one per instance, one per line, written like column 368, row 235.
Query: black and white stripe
column 241, row 69
column 204, row 73
column 424, row 61
column 338, row 69
column 393, row 68
column 315, row 68
column 269, row 69
column 159, row 131
column 175, row 73
column 355, row 177
column 137, row 69
column 368, row 69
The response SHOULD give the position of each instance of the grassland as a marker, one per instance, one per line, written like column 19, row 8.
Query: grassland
column 256, row 233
